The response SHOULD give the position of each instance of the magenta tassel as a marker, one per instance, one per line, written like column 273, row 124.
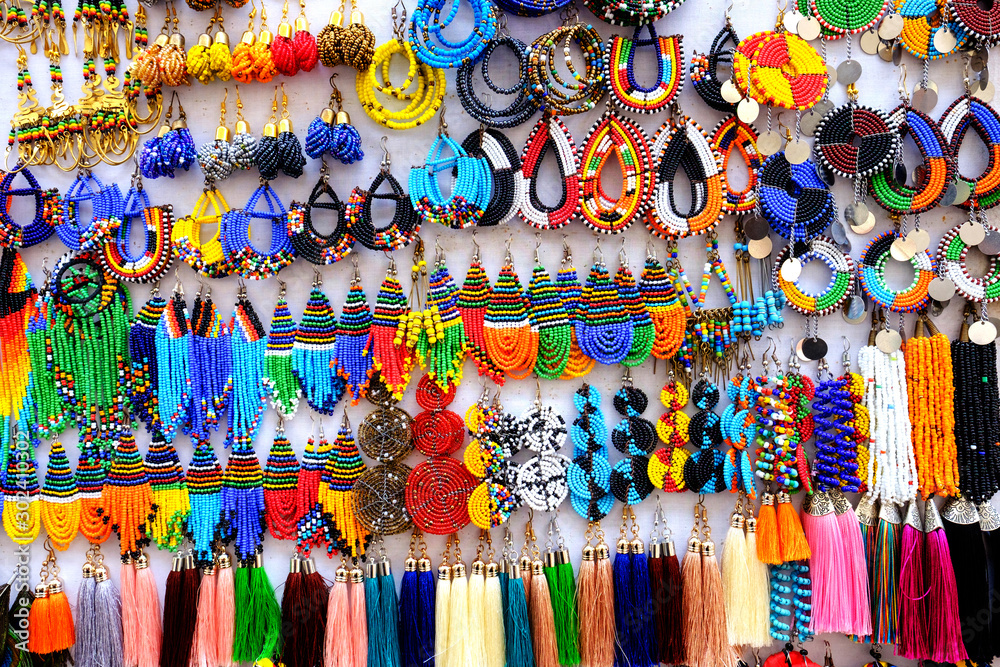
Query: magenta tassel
column 911, row 639
column 831, row 611
column 944, row 636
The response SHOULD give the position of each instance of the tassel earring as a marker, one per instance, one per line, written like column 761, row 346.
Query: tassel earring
column 636, row 635
column 331, row 132
column 944, row 632
column 884, row 563
column 145, row 599
column 225, row 609
column 541, row 616
column 442, row 608
column 385, row 641
column 51, row 633
column 477, row 601
column 736, row 579
column 459, row 644
column 595, row 600
column 290, row 156
column 562, row 589
column 203, row 647
column 99, row 639
column 665, row 587
column 913, row 592
column 493, row 610
column 210, row 57
column 337, row 638
column 970, row 559
column 215, row 157
column 416, row 607
column 516, row 621
column 758, row 608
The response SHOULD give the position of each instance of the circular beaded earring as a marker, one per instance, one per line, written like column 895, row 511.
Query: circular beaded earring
column 980, row 19
column 837, row 289
column 432, row 17
column 848, row 18
column 520, row 109
column 875, row 133
column 787, row 72
column 794, row 201
column 952, row 255
column 871, row 270
column 922, row 21
column 548, row 89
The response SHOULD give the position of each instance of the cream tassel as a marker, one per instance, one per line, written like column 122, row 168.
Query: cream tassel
column 459, row 654
column 493, row 609
column 736, row 582
column 442, row 607
column 477, row 612
column 758, row 609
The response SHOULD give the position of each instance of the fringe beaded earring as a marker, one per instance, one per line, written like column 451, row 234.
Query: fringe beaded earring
column 473, row 300
column 278, row 374
column 554, row 328
column 60, row 499
column 510, row 342
column 444, row 327
column 353, row 350
column 170, row 493
column 215, row 157
column 390, row 357
column 314, row 350
column 280, row 482
column 331, row 132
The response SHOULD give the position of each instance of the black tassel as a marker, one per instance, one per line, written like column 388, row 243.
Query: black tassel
column 989, row 523
column 968, row 557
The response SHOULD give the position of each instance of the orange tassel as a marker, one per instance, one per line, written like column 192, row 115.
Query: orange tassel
column 768, row 544
column 718, row 652
column 40, row 622
column 543, row 625
column 595, row 598
column 791, row 535
column 695, row 638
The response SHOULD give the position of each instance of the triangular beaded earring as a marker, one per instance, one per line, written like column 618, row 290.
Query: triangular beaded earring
column 549, row 317
column 390, row 356
column 278, row 374
column 144, row 398
column 510, row 340
column 568, row 285
column 473, row 300
column 313, row 353
column 665, row 309
column 60, row 499
column 643, row 330
column 170, row 493
column 605, row 330
column 281, row 477
column 444, row 326
column 353, row 351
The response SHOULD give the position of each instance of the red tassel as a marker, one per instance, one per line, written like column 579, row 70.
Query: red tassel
column 768, row 545
column 944, row 636
column 912, row 629
column 291, row 615
column 673, row 607
column 179, row 612
column 791, row 536
column 146, row 603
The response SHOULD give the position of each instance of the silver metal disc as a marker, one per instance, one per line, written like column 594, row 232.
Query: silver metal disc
column 810, row 121
column 791, row 269
column 808, row 28
column 945, row 40
column 748, row 110
column 891, row 27
column 870, row 41
column 982, row 332
column 990, row 245
column 949, row 196
column 897, row 53
column 902, row 250
column 941, row 289
column 839, row 234
column 730, row 92
column 848, row 72
column 964, row 191
column 866, row 226
column 888, row 341
column 983, row 93
column 972, row 233
column 925, row 98
column 791, row 21
column 920, row 238
column 855, row 213
column 759, row 248
column 797, row 151
column 855, row 310
column 885, row 50
column 769, row 143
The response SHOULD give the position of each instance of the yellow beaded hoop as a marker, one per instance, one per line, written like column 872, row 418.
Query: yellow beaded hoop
column 423, row 102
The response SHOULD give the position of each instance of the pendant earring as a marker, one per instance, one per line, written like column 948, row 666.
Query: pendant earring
column 292, row 54
column 353, row 45
column 215, row 157
column 244, row 145
column 211, row 58
column 252, row 59
column 331, row 132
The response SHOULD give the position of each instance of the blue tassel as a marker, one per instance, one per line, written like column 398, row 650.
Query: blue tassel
column 425, row 612
column 345, row 143
column 388, row 650
column 642, row 625
column 520, row 652
column 373, row 607
column 625, row 650
column 409, row 616
column 318, row 138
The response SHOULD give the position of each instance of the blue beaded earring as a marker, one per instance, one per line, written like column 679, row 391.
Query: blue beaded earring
column 331, row 132
column 279, row 149
column 172, row 149
column 48, row 209
column 604, row 330
column 353, row 357
column 427, row 27
column 239, row 250
column 314, row 352
column 107, row 205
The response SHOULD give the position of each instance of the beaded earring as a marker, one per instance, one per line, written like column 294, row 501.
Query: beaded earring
column 952, row 258
column 421, row 103
column 443, row 325
column 614, row 135
column 390, row 356
column 604, row 330
column 249, row 394
column 117, row 257
column 739, row 429
column 471, row 189
column 979, row 22
column 920, row 28
column 589, row 475
column 280, row 482
column 550, row 133
column 405, row 223
column 17, row 300
column 128, row 498
column 379, row 499
column 336, row 494
column 876, row 133
column 497, row 439
column 704, row 69
column 983, row 190
column 314, row 352
column 548, row 315
column 643, row 331
column 210, row 58
column 731, row 136
column 704, row 469
column 48, row 211
column 91, row 472
column 211, row 364
column 279, row 376
column 838, row 288
column 353, row 46
column 172, row 149
column 45, row 413
column 279, row 148
column 798, row 218
column 521, row 108
column 252, row 59
column 635, row 437
column 170, row 494
column 352, row 355
column 216, row 157
column 619, row 70
column 242, row 501
column 548, row 90
column 292, row 54
column 473, row 300
column 317, row 248
column 505, row 167
column 510, row 341
column 871, row 270
column 658, row 294
column 60, row 499
column 240, row 252
column 163, row 63
column 432, row 48
column 173, row 365
column 387, row 433
column 106, row 203
column 331, row 132
column 243, row 148
column 541, row 480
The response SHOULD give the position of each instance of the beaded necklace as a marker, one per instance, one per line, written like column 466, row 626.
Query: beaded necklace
column 279, row 376
column 550, row 133
column 240, row 252
column 521, row 108
column 969, row 112
column 390, row 357
column 211, row 366
column 589, row 475
column 506, row 169
column 173, row 366
column 635, row 437
column 158, row 221
column 612, row 134
column 619, row 70
column 280, row 482
column 665, row 309
column 548, row 89
column 541, row 480
column 318, row 248
column 314, row 353
column 975, row 417
column 336, row 493
column 60, row 499
column 471, row 189
column 569, row 289
column 127, row 498
column 426, row 33
column 205, row 257
column 48, row 212
column 352, row 355
column 643, row 330
column 444, row 327
column 871, row 270
column 405, row 223
column 20, row 487
column 510, row 341
column 170, row 493
column 473, row 301
column 107, row 206
column 249, row 394
column 684, row 145
column 549, row 317
column 666, row 465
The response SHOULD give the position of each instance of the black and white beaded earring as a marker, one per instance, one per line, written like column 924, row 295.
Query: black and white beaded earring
column 508, row 181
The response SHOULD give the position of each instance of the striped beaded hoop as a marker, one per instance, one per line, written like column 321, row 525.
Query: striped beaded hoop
column 505, row 165
column 156, row 257
column 205, row 257
column 684, row 145
column 848, row 16
column 922, row 20
column 980, row 19
column 793, row 199
column 938, row 167
column 320, row 249
column 48, row 211
column 733, row 135
column 550, row 133
column 788, row 72
column 472, row 186
column 437, row 495
column 837, row 289
column 877, row 132
column 952, row 255
column 379, row 499
column 871, row 270
column 704, row 70
column 614, row 135
column 548, row 89
column 619, row 70
column 969, row 112
column 520, row 109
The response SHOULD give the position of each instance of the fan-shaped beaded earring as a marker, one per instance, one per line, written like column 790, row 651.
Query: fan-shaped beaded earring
column 331, row 132
column 215, row 157
column 352, row 354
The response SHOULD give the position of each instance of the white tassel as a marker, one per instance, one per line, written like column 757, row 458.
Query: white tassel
column 735, row 582
column 493, row 608
column 442, row 608
column 758, row 587
column 477, row 610
column 459, row 654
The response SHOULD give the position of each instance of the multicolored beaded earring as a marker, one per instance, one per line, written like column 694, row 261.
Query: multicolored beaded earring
column 521, row 108
column 875, row 133
column 211, row 364
column 249, row 393
column 390, row 356
column 800, row 216
column 665, row 310
column 969, row 112
column 952, row 257
column 549, row 316
column 106, row 203
column 173, row 365
column 243, row 519
column 615, row 135
column 48, row 211
column 704, row 69
column 838, row 288
column 331, row 132
column 60, row 499
column 343, row 469
column 127, row 498
column 306, row 242
column 205, row 257
column 281, row 491
column 631, row 12
column 117, row 257
column 643, row 330
column 144, row 397
column 634, row 437
column 279, row 376
column 568, row 286
column 497, row 436
column 605, row 331
column 510, row 341
column 550, row 133
column 426, row 36
column 444, row 328
column 170, row 494
column 352, row 356
column 589, row 475
column 731, row 136
column 240, row 252
column 871, row 271
column 619, row 70
column 405, row 223
column 548, row 90
column 505, row 167
column 920, row 28
column 314, row 352
column 978, row 21
column 473, row 301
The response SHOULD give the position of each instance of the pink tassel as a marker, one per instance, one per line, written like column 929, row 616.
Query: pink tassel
column 359, row 618
column 856, row 591
column 205, row 639
column 944, row 636
column 225, row 611
column 337, row 648
column 130, row 633
column 911, row 640
column 830, row 604
column 147, row 609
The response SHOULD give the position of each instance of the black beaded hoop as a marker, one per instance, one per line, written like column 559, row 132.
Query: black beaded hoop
column 317, row 248
column 878, row 133
column 398, row 233
column 704, row 68
column 518, row 111
column 508, row 181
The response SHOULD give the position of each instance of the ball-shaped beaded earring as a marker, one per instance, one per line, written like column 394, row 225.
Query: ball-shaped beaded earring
column 244, row 145
column 331, row 132
column 211, row 58
column 290, row 157
column 215, row 157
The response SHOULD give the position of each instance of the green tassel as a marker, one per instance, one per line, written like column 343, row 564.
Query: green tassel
column 562, row 586
column 242, row 637
column 266, row 616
